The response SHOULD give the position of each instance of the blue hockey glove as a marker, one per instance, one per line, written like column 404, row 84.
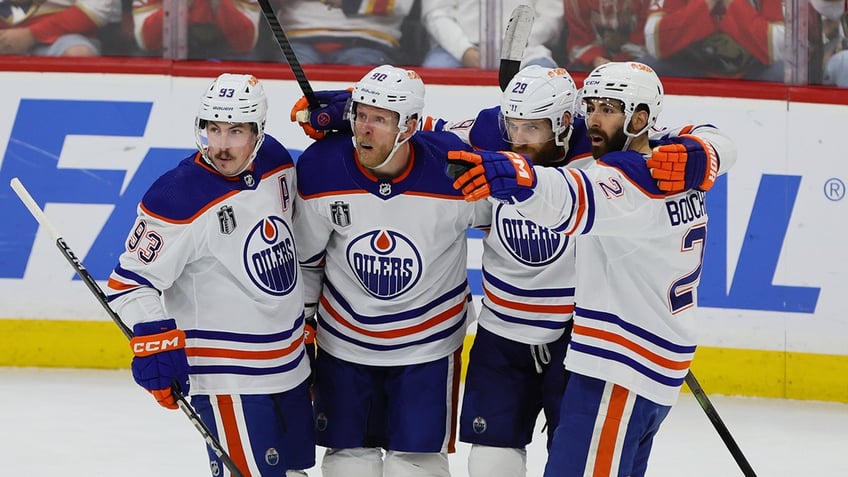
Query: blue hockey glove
column 506, row 176
column 331, row 116
column 160, row 360
column 683, row 163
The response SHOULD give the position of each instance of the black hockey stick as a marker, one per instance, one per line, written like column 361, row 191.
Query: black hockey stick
column 92, row 285
column 723, row 432
column 515, row 39
column 288, row 52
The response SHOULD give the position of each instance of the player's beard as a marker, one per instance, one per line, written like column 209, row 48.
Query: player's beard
column 545, row 154
column 372, row 153
column 616, row 143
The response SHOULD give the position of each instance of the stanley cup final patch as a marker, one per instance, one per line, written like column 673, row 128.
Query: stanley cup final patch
column 226, row 219
column 340, row 212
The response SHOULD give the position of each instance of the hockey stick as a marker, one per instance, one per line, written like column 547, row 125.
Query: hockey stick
column 92, row 285
column 723, row 432
column 288, row 52
column 515, row 39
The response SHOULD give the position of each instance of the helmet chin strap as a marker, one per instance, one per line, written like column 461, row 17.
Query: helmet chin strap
column 397, row 144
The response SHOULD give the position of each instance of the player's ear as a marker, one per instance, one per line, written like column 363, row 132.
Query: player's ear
column 639, row 120
column 411, row 127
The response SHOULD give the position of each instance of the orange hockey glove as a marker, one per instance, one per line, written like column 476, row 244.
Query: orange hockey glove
column 683, row 163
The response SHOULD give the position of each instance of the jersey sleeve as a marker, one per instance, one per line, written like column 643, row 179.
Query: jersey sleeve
column 312, row 232
column 156, row 252
column 611, row 195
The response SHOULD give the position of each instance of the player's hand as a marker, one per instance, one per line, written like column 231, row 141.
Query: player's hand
column 683, row 163
column 506, row 176
column 330, row 116
column 160, row 360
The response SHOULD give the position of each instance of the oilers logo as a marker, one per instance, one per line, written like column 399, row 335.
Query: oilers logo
column 270, row 258
column 530, row 243
column 386, row 263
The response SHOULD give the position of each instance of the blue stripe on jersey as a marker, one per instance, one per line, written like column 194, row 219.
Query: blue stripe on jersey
column 247, row 370
column 182, row 192
column 244, row 337
column 632, row 165
column 314, row 259
column 134, row 277
column 407, row 315
column 324, row 327
column 590, row 203
column 535, row 322
column 631, row 328
column 539, row 292
column 612, row 355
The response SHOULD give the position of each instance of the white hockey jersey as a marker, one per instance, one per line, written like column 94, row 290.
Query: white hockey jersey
column 384, row 259
column 529, row 271
column 221, row 253
column 639, row 257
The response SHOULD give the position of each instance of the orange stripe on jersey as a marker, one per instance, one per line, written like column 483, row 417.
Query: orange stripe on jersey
column 581, row 201
column 609, row 431
column 335, row 192
column 116, row 285
column 686, row 129
column 515, row 305
column 230, row 430
column 242, row 354
column 397, row 333
column 640, row 350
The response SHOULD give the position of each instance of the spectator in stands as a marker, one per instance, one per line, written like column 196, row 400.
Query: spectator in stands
column 835, row 28
column 217, row 29
column 353, row 32
column 601, row 31
column 716, row 38
column 454, row 28
column 54, row 27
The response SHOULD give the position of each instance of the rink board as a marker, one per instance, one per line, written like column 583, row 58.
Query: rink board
column 773, row 293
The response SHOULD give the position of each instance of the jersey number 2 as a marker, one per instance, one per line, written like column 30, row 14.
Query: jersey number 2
column 681, row 295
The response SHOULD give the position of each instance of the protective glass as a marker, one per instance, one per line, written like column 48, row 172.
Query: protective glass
column 227, row 136
column 526, row 131
column 601, row 106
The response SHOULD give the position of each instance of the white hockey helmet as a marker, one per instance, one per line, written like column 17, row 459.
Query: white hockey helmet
column 631, row 83
column 232, row 98
column 537, row 92
column 392, row 88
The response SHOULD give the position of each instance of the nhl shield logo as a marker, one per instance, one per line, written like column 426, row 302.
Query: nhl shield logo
column 226, row 219
column 340, row 212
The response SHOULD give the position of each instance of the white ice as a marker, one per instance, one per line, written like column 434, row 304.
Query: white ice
column 99, row 423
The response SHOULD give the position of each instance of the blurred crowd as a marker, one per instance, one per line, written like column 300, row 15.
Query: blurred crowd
column 744, row 39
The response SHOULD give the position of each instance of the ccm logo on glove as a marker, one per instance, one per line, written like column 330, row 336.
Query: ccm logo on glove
column 152, row 344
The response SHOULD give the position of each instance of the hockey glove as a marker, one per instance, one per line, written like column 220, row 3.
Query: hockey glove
column 330, row 116
column 506, row 176
column 160, row 360
column 683, row 163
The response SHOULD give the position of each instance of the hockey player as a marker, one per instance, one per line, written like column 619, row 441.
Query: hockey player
column 381, row 236
column 214, row 238
column 638, row 262
column 528, row 271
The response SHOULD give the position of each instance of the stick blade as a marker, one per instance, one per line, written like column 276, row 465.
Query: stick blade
column 516, row 37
